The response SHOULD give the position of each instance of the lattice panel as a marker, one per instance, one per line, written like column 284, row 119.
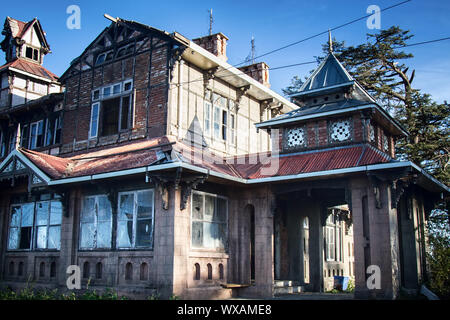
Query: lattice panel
column 295, row 137
column 340, row 131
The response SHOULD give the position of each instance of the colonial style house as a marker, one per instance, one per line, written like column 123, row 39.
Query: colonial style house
column 163, row 169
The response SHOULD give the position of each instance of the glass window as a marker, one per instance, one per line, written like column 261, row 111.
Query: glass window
column 93, row 130
column 216, row 122
column 135, row 219
column 96, row 223
column 207, row 117
column 209, row 221
column 232, row 128
column 224, row 124
column 43, row 219
column 36, row 134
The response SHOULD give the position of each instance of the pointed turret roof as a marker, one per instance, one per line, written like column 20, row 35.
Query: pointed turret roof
column 329, row 74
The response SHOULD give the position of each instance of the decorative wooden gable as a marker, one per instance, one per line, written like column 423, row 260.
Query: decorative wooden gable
column 16, row 165
column 120, row 40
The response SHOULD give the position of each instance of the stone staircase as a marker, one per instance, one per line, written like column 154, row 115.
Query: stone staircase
column 282, row 287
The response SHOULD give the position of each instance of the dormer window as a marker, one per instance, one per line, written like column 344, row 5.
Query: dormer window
column 104, row 57
column 32, row 53
column 125, row 50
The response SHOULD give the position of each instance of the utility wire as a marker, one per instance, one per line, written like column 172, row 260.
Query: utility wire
column 308, row 38
column 325, row 32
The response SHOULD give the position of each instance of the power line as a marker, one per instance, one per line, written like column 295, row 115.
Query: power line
column 311, row 37
column 423, row 42
column 324, row 32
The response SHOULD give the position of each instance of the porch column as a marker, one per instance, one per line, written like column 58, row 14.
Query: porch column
column 316, row 247
column 379, row 234
column 264, row 239
column 69, row 235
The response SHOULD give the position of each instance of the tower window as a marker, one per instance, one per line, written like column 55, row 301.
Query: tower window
column 32, row 53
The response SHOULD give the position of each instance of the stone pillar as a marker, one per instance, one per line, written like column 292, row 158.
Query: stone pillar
column 360, row 242
column 163, row 248
column 264, row 268
column 181, row 244
column 382, row 240
column 315, row 247
column 69, row 235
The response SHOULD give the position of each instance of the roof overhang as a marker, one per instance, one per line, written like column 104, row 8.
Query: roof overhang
column 381, row 114
column 207, row 61
column 320, row 91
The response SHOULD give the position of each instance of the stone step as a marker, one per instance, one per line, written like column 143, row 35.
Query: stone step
column 285, row 283
column 288, row 290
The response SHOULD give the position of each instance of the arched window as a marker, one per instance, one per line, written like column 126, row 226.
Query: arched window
column 20, row 271
column 98, row 270
column 144, row 271
column 129, row 271
column 11, row 268
column 221, row 275
column 42, row 270
column 53, row 269
column 86, row 270
column 196, row 271
column 209, row 266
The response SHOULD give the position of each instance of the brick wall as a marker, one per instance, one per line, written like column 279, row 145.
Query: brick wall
column 150, row 88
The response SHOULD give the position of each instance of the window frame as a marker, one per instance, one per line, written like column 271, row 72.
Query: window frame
column 121, row 94
column 38, row 124
column 135, row 220
column 34, row 227
column 215, row 196
column 96, row 203
column 207, row 112
column 91, row 134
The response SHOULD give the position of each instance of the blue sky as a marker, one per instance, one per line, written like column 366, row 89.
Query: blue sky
column 272, row 23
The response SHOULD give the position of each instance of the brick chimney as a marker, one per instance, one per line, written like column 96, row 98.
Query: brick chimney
column 215, row 43
column 258, row 71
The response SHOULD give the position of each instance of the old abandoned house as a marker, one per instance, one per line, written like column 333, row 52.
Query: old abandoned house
column 161, row 168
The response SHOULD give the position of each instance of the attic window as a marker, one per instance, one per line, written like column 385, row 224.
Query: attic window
column 104, row 57
column 32, row 53
column 125, row 50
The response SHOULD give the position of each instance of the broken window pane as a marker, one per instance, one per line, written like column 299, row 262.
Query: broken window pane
column 42, row 213
column 197, row 234
column 104, row 209
column 209, row 208
column 126, row 206
column 15, row 216
column 197, row 206
column 145, row 204
column 104, row 234
column 87, row 235
column 55, row 212
column 209, row 230
column 41, row 238
column 13, row 241
column 54, row 237
column 27, row 215
column 124, row 234
column 143, row 233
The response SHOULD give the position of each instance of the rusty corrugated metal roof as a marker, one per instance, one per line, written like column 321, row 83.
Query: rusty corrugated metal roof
column 148, row 152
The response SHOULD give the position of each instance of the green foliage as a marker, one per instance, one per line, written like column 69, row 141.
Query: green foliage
column 438, row 255
column 350, row 286
column 29, row 293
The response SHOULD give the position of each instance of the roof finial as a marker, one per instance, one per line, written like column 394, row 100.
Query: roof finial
column 330, row 42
